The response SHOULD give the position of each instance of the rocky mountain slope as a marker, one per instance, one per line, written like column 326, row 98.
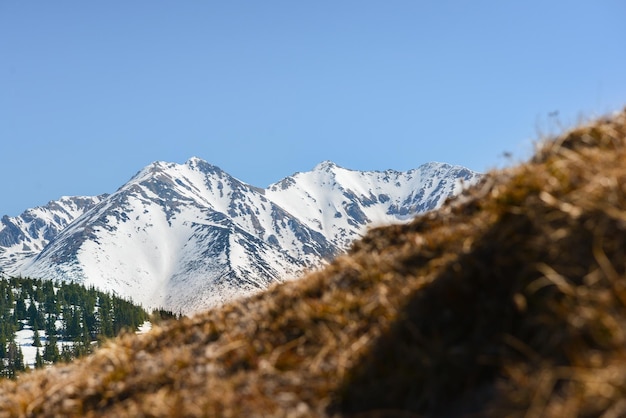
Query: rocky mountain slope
column 189, row 236
column 508, row 301
column 24, row 236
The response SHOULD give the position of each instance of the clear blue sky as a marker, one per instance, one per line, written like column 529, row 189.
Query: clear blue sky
column 92, row 91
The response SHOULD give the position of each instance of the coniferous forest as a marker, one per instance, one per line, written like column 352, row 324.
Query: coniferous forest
column 61, row 320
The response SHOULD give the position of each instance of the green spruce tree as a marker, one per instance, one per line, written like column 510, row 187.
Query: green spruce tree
column 38, row 360
column 36, row 339
column 51, row 350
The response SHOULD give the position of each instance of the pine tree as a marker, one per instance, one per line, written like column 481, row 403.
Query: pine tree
column 105, row 320
column 66, row 354
column 20, row 308
column 38, row 360
column 50, row 350
column 71, row 322
column 51, row 301
column 15, row 361
column 51, row 329
column 19, row 360
column 38, row 292
column 3, row 346
column 31, row 313
column 36, row 340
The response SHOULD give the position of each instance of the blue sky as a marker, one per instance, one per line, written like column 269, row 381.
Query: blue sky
column 91, row 92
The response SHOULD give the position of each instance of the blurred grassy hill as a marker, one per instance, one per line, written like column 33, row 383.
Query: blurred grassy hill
column 510, row 301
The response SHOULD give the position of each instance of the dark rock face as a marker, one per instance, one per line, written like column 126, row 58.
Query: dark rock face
column 10, row 234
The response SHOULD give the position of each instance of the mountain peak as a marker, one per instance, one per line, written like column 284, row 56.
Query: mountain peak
column 197, row 163
column 325, row 165
column 149, row 170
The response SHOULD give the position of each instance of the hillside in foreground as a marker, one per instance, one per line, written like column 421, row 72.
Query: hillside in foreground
column 509, row 301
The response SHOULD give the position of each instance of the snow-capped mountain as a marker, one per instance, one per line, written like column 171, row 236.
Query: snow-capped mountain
column 24, row 236
column 189, row 236
column 342, row 203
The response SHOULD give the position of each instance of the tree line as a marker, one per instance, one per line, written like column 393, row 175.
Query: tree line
column 64, row 314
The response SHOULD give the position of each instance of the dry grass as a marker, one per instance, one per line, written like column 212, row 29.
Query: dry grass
column 508, row 302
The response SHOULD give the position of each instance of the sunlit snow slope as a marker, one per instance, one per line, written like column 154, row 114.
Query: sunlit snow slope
column 190, row 236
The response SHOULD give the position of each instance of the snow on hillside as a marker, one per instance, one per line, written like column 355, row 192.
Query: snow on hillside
column 189, row 236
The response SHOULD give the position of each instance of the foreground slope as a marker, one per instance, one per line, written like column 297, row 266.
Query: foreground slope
column 509, row 301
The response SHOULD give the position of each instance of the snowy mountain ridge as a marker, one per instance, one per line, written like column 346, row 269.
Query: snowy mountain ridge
column 189, row 236
column 24, row 236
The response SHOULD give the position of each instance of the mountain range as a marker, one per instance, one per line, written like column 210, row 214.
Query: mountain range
column 189, row 236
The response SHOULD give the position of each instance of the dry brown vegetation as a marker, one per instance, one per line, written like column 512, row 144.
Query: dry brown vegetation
column 509, row 301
